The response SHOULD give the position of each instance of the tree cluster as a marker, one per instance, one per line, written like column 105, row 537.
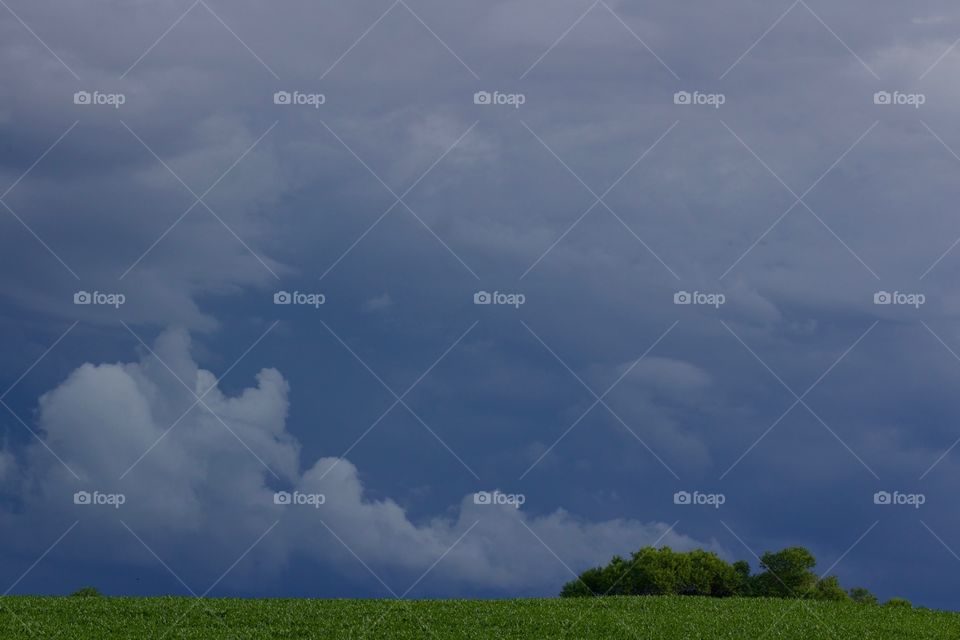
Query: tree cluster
column 784, row 574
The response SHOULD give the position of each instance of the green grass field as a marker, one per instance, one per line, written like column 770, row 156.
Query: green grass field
column 646, row 617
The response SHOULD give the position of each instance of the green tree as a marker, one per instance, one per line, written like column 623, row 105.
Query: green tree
column 787, row 574
column 576, row 589
column 710, row 576
column 663, row 571
column 742, row 569
column 589, row 583
column 614, row 578
column 898, row 602
column 829, row 589
column 652, row 572
column 862, row 595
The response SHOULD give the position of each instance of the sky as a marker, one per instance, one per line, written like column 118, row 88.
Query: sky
column 431, row 299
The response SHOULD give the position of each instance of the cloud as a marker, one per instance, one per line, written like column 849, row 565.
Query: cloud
column 8, row 466
column 667, row 375
column 378, row 303
column 202, row 485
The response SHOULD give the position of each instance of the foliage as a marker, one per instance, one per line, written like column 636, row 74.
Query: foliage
column 654, row 572
column 862, row 595
column 898, row 602
column 787, row 574
column 661, row 571
column 86, row 592
column 829, row 589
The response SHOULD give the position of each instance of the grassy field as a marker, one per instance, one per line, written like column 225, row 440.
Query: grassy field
column 666, row 618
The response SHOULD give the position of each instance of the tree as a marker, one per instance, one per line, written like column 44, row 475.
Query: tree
column 744, row 581
column 663, row 571
column 591, row 582
column 898, row 602
column 577, row 588
column 861, row 595
column 711, row 576
column 829, row 589
column 655, row 572
column 787, row 574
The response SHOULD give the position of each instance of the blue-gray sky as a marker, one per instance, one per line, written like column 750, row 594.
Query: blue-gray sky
column 813, row 166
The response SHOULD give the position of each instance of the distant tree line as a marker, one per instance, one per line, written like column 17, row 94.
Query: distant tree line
column 649, row 572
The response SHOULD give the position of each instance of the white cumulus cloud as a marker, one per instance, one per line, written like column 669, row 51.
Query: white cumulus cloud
column 199, row 479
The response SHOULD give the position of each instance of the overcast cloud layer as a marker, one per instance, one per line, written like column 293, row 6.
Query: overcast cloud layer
column 792, row 167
